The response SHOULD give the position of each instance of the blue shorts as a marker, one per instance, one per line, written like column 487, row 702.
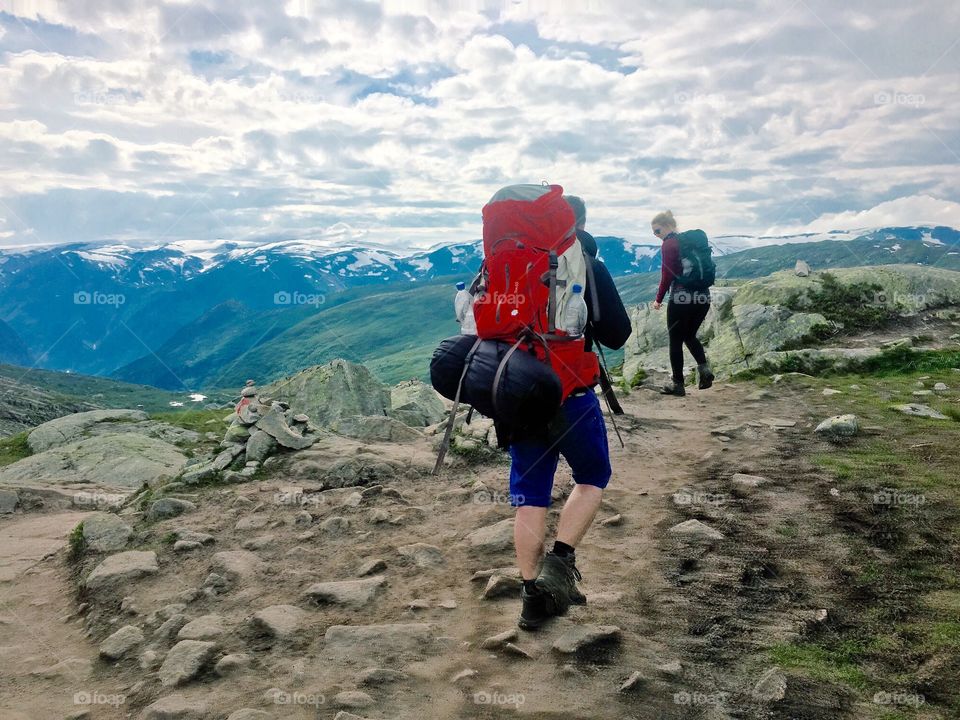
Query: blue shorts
column 580, row 436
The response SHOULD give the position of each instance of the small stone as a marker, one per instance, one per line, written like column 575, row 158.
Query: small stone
column 171, row 626
column 185, row 660
column 175, row 707
column 501, row 585
column 748, row 480
column 169, row 507
column 839, row 425
column 771, row 687
column 378, row 515
column 492, row 538
column 352, row 699
column 583, row 636
column 941, row 387
column 302, row 519
column 448, row 604
column 258, row 543
column 230, row 664
column 513, row 649
column 186, row 546
column 105, row 532
column 335, row 525
column 612, row 520
column 830, row 391
column 670, row 669
column 380, row 676
column 351, row 593
column 149, row 660
column 205, row 627
column 252, row 522
column 695, row 529
column 464, row 675
column 495, row 642
column 121, row 642
column 374, row 565
column 279, row 621
column 636, row 681
column 918, row 410
column 122, row 568
column 422, row 554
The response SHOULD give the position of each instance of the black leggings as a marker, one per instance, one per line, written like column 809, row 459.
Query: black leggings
column 685, row 314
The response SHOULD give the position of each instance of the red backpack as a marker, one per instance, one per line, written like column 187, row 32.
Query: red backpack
column 526, row 230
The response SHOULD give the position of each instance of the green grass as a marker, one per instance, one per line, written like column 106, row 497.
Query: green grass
column 850, row 305
column 196, row 420
column 77, row 544
column 901, row 583
column 14, row 448
column 836, row 666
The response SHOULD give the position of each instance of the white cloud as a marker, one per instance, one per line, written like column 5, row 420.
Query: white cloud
column 902, row 212
column 185, row 120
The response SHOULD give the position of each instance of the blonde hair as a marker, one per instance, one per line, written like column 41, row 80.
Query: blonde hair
column 664, row 219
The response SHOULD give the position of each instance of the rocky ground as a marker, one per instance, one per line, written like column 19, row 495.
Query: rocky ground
column 274, row 597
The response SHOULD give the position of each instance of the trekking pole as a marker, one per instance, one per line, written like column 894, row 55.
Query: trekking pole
column 606, row 374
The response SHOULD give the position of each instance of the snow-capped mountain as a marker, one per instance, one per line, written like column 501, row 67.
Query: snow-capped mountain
column 95, row 307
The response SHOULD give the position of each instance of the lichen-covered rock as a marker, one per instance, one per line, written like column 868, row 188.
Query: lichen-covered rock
column 374, row 428
column 105, row 532
column 73, row 427
column 335, row 390
column 416, row 404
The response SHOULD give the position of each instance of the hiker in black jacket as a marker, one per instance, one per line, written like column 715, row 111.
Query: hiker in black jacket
column 579, row 433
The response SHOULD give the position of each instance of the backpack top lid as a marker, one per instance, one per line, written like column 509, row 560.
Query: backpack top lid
column 537, row 213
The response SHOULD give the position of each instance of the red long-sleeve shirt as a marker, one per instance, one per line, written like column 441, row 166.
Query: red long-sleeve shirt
column 670, row 265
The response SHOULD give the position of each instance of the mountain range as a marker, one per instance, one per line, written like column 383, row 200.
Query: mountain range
column 205, row 315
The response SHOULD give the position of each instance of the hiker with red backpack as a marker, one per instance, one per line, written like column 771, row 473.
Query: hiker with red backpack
column 532, row 368
column 687, row 271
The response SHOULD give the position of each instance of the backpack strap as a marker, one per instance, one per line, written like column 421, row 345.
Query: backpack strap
column 552, row 283
column 445, row 443
column 592, row 284
column 499, row 374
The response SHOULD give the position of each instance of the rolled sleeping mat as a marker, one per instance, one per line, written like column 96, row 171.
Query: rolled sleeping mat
column 529, row 391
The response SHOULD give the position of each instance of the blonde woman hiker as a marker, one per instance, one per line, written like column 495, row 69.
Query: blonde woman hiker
column 687, row 272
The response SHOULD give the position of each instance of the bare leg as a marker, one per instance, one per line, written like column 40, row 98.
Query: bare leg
column 578, row 513
column 528, row 533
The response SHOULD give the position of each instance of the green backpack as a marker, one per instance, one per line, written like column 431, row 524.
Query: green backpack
column 699, row 270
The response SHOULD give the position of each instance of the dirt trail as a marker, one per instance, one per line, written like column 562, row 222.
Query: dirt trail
column 675, row 602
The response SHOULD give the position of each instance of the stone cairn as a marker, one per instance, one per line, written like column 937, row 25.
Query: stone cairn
column 260, row 427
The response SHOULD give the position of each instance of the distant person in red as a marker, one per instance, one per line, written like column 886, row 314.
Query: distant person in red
column 686, row 309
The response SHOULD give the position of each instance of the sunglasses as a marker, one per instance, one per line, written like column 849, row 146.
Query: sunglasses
column 657, row 231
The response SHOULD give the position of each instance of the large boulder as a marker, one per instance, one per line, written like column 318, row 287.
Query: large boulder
column 415, row 403
column 374, row 428
column 124, row 460
column 335, row 390
column 105, row 532
column 749, row 326
column 73, row 427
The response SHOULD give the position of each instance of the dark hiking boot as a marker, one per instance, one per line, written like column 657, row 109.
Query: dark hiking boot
column 674, row 387
column 536, row 609
column 705, row 375
column 558, row 579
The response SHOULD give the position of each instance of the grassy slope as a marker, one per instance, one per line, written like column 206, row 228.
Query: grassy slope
column 899, row 505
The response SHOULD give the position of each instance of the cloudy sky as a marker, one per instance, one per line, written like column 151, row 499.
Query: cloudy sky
column 394, row 122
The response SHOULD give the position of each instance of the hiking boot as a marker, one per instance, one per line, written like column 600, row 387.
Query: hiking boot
column 674, row 387
column 705, row 375
column 534, row 611
column 558, row 580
